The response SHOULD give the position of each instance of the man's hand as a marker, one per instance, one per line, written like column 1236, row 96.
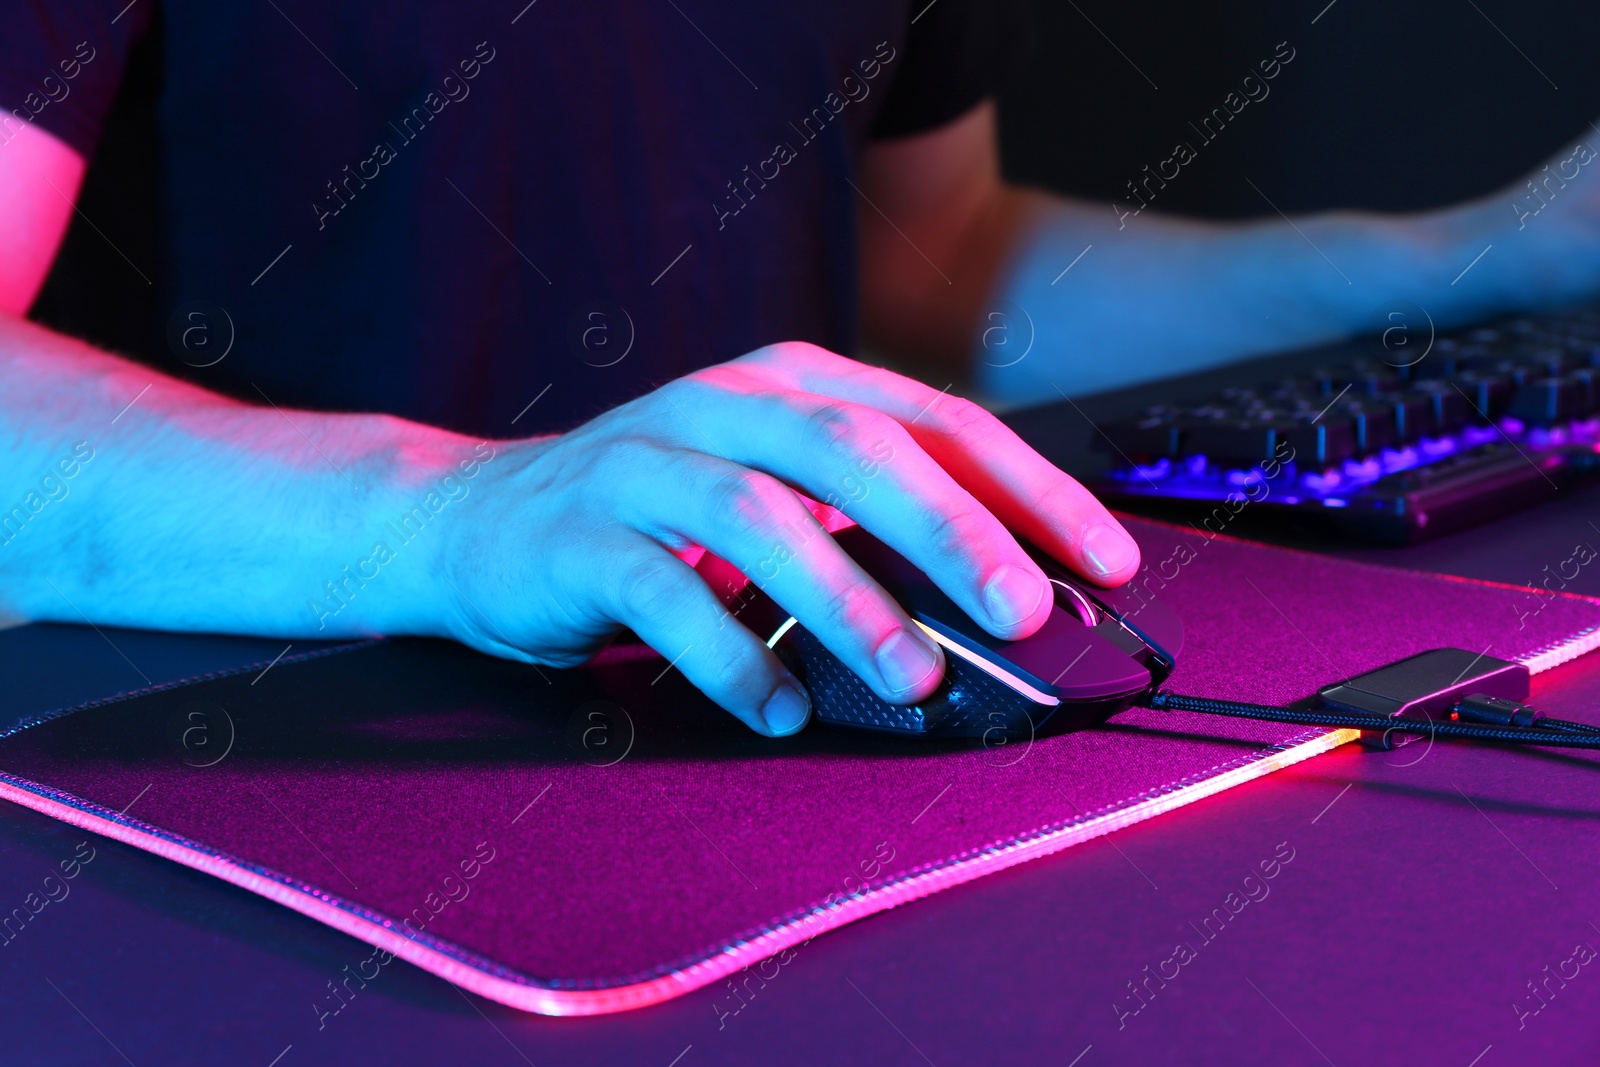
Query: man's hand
column 1549, row 224
column 204, row 514
column 572, row 538
column 1104, row 295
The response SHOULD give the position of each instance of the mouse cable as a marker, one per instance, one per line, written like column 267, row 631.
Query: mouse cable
column 1488, row 719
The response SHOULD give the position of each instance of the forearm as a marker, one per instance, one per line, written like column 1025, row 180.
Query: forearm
column 131, row 498
column 1152, row 295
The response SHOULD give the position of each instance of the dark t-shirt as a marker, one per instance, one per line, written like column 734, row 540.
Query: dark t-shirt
column 446, row 211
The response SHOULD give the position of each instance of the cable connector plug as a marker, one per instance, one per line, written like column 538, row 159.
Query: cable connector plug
column 1496, row 711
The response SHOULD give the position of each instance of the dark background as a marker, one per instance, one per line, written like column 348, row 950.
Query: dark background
column 1386, row 106
column 1418, row 913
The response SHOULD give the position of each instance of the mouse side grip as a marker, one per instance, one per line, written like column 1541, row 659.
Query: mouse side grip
column 968, row 703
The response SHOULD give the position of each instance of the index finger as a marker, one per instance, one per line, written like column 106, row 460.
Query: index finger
column 1024, row 490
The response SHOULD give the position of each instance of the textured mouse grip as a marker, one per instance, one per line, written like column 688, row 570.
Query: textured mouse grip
column 968, row 703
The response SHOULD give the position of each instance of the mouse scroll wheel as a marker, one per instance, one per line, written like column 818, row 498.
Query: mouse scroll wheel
column 1073, row 600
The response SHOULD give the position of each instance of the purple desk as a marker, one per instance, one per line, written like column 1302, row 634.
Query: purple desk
column 1427, row 890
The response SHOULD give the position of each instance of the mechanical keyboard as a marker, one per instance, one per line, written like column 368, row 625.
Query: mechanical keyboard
column 1392, row 447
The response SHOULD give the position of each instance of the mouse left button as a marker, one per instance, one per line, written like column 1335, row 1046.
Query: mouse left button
column 1072, row 598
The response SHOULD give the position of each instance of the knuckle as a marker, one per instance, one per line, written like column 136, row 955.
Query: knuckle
column 849, row 607
column 611, row 457
column 968, row 420
column 678, row 388
column 741, row 675
column 848, row 429
column 1057, row 489
column 797, row 354
column 1047, row 495
column 716, row 378
column 750, row 497
column 954, row 532
column 830, row 424
column 652, row 589
column 676, row 403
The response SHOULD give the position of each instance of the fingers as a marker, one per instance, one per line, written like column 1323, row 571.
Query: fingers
column 934, row 476
column 662, row 599
column 863, row 461
column 1020, row 487
column 1029, row 493
column 758, row 524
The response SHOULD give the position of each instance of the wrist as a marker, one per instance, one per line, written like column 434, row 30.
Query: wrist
column 393, row 576
column 1456, row 264
column 1532, row 263
column 1480, row 266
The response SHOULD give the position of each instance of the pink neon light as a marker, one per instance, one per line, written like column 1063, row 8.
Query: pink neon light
column 528, row 995
column 1559, row 652
column 330, row 909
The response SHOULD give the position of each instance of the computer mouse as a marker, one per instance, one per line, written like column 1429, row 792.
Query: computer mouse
column 1099, row 652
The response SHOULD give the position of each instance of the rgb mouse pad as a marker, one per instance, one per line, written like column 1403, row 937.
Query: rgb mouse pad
column 586, row 841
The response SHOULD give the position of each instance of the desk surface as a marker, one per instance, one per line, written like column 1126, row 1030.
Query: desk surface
column 1429, row 887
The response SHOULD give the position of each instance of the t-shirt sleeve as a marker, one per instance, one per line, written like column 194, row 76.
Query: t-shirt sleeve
column 957, row 53
column 61, row 64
